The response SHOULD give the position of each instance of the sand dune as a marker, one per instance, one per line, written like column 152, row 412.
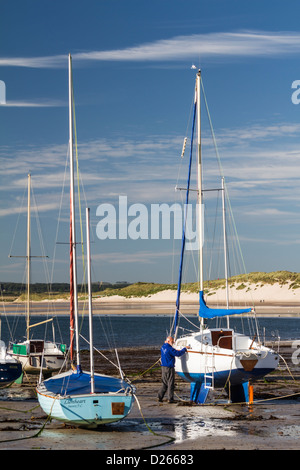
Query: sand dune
column 246, row 293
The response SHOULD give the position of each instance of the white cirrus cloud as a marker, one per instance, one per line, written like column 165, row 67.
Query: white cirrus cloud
column 32, row 104
column 213, row 45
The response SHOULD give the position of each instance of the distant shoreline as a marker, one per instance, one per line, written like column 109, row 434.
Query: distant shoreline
column 108, row 306
column 268, row 299
column 254, row 289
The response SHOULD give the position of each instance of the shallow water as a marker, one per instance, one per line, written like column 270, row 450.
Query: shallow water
column 120, row 331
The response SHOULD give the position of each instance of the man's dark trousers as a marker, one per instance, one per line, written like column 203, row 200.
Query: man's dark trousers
column 168, row 380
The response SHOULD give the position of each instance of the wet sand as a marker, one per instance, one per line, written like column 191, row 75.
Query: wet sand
column 270, row 423
column 135, row 307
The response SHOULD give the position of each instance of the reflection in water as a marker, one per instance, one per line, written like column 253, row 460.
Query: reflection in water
column 16, row 394
column 180, row 429
column 195, row 428
column 192, row 428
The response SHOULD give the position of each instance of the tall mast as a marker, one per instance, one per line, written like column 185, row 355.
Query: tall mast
column 72, row 319
column 28, row 258
column 200, row 205
column 73, row 263
column 90, row 300
column 225, row 247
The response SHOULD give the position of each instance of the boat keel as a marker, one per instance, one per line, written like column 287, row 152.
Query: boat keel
column 199, row 391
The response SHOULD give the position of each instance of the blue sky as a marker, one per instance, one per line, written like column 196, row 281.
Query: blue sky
column 133, row 87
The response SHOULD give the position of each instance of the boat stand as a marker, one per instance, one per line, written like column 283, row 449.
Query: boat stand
column 241, row 393
column 199, row 391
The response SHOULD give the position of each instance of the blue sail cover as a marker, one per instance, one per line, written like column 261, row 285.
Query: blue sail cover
column 80, row 383
column 206, row 312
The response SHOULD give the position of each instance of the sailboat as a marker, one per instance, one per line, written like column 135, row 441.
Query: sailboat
column 77, row 397
column 218, row 357
column 36, row 355
column 10, row 368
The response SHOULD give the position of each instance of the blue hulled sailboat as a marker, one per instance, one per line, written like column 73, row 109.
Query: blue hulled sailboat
column 78, row 397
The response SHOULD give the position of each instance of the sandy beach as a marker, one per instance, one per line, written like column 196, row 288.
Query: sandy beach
column 268, row 300
column 247, row 293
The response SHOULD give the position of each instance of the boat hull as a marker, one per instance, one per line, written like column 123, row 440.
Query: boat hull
column 9, row 372
column 217, row 366
column 67, row 397
column 194, row 369
column 87, row 410
column 34, row 363
column 38, row 355
column 221, row 377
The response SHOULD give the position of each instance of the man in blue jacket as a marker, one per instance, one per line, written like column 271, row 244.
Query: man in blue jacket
column 168, row 354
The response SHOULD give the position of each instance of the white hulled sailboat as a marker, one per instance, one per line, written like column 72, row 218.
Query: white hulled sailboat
column 218, row 357
column 36, row 355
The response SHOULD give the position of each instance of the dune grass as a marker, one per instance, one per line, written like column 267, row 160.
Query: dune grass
column 241, row 281
column 146, row 289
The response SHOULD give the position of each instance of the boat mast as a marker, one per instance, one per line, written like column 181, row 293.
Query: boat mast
column 200, row 205
column 225, row 247
column 73, row 263
column 28, row 258
column 90, row 299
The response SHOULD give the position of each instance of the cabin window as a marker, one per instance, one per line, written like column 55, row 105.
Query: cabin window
column 221, row 338
column 36, row 346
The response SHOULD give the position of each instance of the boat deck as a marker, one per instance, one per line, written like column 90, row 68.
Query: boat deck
column 75, row 383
